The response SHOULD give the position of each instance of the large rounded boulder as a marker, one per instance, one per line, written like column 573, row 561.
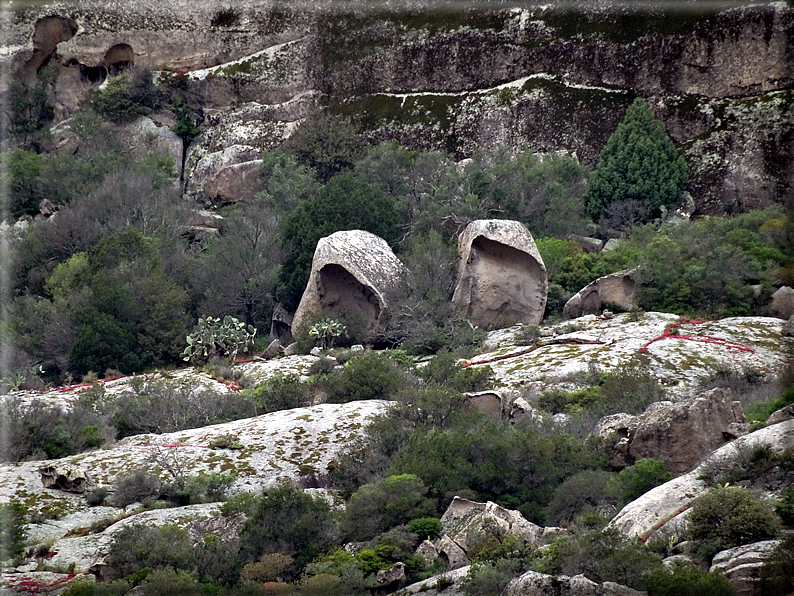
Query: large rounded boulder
column 501, row 275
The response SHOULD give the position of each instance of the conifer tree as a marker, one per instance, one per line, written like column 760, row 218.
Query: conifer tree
column 638, row 163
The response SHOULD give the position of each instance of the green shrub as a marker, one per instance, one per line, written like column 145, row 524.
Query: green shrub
column 638, row 163
column 138, row 486
column 425, row 527
column 777, row 576
column 96, row 496
column 687, row 580
column 375, row 508
column 282, row 392
column 370, row 375
column 731, row 516
column 785, row 506
column 444, row 369
column 580, row 492
column 289, row 521
column 636, row 480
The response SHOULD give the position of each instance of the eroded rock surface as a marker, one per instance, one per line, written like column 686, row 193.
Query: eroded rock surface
column 742, row 566
column 680, row 434
column 617, row 288
column 501, row 275
column 783, row 302
column 354, row 278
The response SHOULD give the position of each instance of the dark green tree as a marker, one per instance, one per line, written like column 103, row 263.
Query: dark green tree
column 344, row 203
column 639, row 163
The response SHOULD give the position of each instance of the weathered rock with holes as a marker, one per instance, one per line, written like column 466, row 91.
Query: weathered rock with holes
column 682, row 434
column 616, row 288
column 781, row 415
column 783, row 302
column 661, row 506
column 501, row 275
column 540, row 584
column 355, row 278
column 742, row 566
column 72, row 479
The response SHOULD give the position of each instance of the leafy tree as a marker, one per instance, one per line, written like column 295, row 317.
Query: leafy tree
column 30, row 104
column 326, row 143
column 344, row 203
column 638, row 163
column 20, row 173
column 636, row 480
column 687, row 580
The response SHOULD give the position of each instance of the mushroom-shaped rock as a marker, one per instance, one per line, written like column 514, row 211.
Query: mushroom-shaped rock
column 616, row 288
column 501, row 275
column 355, row 278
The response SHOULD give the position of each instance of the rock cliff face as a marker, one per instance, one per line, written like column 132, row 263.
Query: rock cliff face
column 545, row 76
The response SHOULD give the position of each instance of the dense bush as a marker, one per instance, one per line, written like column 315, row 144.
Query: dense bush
column 731, row 516
column 289, row 521
column 583, row 491
column 370, row 375
column 777, row 576
column 687, row 580
column 638, row 163
column 12, row 530
column 282, row 392
column 375, row 508
column 636, row 480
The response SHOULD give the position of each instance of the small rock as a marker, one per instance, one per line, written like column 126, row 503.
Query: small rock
column 274, row 349
column 357, row 348
column 47, row 207
column 612, row 244
column 315, row 351
column 428, row 551
column 291, row 349
column 607, row 314
column 783, row 302
column 616, row 288
column 781, row 415
column 396, row 573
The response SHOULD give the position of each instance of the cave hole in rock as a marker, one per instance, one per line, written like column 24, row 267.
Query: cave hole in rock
column 345, row 298
column 90, row 74
column 48, row 32
column 508, row 283
column 119, row 58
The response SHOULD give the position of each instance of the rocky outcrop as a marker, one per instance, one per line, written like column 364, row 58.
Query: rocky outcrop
column 679, row 364
column 680, row 434
column 783, row 302
column 788, row 328
column 466, row 524
column 285, row 444
column 614, row 289
column 501, row 275
column 395, row 573
column 540, row 584
column 226, row 176
column 742, row 566
column 354, row 278
column 664, row 504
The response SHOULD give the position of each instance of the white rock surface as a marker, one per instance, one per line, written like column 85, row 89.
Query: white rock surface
column 286, row 444
column 742, row 565
column 679, row 364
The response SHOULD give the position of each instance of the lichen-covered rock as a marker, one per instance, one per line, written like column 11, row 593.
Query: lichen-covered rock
column 501, row 275
column 286, row 444
column 616, row 288
column 682, row 434
column 742, row 565
column 540, row 584
column 783, row 302
column 449, row 583
column 396, row 573
column 355, row 277
column 749, row 344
